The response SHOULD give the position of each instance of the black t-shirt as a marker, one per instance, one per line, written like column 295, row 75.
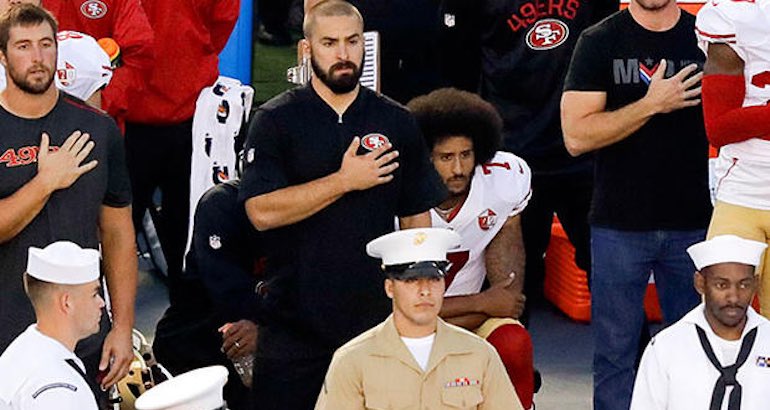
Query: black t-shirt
column 409, row 61
column 330, row 290
column 657, row 177
column 525, row 47
column 69, row 214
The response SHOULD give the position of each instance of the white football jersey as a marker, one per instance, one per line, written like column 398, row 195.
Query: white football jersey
column 499, row 189
column 82, row 66
column 743, row 168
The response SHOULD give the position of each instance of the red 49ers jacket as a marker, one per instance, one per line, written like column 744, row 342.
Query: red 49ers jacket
column 189, row 34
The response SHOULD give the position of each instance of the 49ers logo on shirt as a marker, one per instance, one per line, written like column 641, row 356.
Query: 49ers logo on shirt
column 373, row 141
column 93, row 9
column 67, row 75
column 547, row 34
column 487, row 219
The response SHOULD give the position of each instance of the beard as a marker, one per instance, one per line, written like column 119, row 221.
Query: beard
column 28, row 86
column 341, row 84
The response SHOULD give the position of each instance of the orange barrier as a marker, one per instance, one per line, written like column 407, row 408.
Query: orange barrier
column 566, row 285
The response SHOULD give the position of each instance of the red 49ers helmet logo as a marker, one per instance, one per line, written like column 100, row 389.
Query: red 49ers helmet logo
column 547, row 34
column 373, row 141
column 93, row 9
column 487, row 219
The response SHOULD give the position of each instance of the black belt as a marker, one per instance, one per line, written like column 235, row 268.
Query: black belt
column 727, row 375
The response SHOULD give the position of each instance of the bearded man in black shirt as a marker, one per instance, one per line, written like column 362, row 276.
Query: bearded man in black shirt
column 329, row 166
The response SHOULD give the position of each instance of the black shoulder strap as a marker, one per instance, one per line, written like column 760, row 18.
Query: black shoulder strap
column 82, row 374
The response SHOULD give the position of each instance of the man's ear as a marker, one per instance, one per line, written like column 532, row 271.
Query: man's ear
column 700, row 282
column 389, row 288
column 3, row 59
column 62, row 301
column 303, row 51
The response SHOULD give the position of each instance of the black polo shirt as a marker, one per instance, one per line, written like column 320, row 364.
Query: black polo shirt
column 329, row 289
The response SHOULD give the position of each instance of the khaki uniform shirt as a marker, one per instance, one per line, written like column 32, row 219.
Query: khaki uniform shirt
column 376, row 371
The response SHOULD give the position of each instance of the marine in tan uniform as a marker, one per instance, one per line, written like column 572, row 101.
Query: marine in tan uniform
column 414, row 360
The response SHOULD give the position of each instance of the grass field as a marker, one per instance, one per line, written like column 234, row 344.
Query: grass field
column 269, row 75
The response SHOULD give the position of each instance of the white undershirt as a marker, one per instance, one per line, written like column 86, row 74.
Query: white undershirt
column 729, row 350
column 420, row 348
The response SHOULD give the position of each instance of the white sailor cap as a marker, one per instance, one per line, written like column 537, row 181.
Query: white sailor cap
column 724, row 249
column 411, row 253
column 64, row 263
column 199, row 389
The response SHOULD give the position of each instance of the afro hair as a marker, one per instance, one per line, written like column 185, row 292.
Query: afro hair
column 451, row 112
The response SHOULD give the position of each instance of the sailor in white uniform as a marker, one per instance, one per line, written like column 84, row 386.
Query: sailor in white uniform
column 717, row 357
column 39, row 370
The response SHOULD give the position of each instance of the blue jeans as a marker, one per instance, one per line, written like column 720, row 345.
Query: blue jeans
column 621, row 265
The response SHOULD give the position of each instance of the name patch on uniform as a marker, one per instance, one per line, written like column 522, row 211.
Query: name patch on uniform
column 461, row 382
column 763, row 361
column 373, row 141
column 53, row 386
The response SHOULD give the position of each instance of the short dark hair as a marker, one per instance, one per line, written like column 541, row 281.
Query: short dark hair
column 25, row 15
column 329, row 8
column 37, row 289
column 451, row 112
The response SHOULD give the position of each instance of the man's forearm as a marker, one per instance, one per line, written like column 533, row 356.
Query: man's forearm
column 586, row 133
column 295, row 203
column 469, row 321
column 22, row 207
column 421, row 220
column 455, row 306
column 464, row 311
column 120, row 263
column 505, row 254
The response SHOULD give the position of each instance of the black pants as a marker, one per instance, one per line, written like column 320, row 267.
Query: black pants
column 569, row 197
column 159, row 156
column 288, row 384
